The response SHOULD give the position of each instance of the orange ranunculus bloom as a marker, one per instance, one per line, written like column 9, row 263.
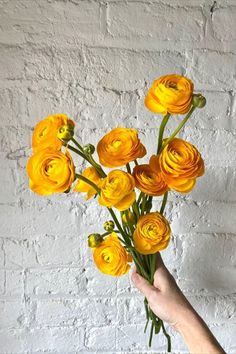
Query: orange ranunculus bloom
column 180, row 163
column 117, row 190
column 81, row 186
column 152, row 233
column 149, row 181
column 170, row 94
column 45, row 132
column 50, row 171
column 111, row 257
column 120, row 146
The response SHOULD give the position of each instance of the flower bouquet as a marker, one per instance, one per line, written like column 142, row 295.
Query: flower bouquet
column 135, row 232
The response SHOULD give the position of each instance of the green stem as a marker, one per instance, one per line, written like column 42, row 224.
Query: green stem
column 123, row 233
column 151, row 335
column 77, row 152
column 128, row 168
column 136, row 162
column 86, row 180
column 161, row 131
column 109, row 232
column 97, row 166
column 171, row 137
column 77, row 144
column 167, row 337
column 164, row 203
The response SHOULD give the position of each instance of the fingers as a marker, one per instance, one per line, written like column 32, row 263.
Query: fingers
column 143, row 285
column 159, row 263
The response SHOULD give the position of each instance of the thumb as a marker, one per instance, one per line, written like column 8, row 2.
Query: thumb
column 143, row 285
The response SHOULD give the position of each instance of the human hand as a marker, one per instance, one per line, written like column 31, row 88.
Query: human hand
column 169, row 304
column 164, row 297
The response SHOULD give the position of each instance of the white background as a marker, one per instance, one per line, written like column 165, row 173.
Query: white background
column 94, row 60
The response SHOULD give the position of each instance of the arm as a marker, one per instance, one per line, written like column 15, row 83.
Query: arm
column 169, row 303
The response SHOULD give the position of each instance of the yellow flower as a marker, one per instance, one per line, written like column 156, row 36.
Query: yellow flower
column 45, row 132
column 180, row 163
column 111, row 257
column 50, row 171
column 170, row 94
column 117, row 190
column 149, row 181
column 81, row 186
column 120, row 146
column 152, row 233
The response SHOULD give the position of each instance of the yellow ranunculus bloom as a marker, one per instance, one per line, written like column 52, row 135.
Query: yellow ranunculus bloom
column 180, row 163
column 91, row 174
column 45, row 132
column 170, row 94
column 111, row 257
column 50, row 171
column 152, row 233
column 117, row 190
column 120, row 146
column 149, row 181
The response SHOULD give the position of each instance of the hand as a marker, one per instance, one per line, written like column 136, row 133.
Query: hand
column 169, row 303
column 165, row 297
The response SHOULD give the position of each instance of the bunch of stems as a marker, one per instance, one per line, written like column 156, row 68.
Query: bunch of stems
column 145, row 264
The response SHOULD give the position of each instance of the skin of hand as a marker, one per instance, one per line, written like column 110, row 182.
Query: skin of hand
column 169, row 303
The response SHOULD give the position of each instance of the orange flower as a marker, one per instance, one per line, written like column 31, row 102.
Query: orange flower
column 180, row 164
column 149, row 181
column 50, row 171
column 117, row 190
column 170, row 94
column 152, row 233
column 120, row 146
column 81, row 186
column 111, row 257
column 45, row 132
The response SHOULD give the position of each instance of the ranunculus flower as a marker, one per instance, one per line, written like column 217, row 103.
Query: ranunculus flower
column 111, row 257
column 149, row 181
column 170, row 94
column 81, row 186
column 152, row 233
column 50, row 171
column 117, row 190
column 180, row 163
column 120, row 146
column 46, row 131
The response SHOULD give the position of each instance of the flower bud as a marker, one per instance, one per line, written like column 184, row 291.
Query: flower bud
column 65, row 133
column 109, row 225
column 89, row 149
column 199, row 101
column 94, row 240
column 128, row 217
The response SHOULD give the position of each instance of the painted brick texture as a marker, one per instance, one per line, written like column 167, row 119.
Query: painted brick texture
column 94, row 61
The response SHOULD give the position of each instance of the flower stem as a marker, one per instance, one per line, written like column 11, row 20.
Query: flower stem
column 176, row 131
column 77, row 144
column 161, row 131
column 128, row 168
column 164, row 200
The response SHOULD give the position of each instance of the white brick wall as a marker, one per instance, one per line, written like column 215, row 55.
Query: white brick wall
column 94, row 60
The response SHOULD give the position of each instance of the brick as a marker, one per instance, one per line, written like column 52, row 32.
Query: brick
column 101, row 338
column 215, row 217
column 55, row 339
column 224, row 18
column 20, row 253
column 12, row 340
column 61, row 281
column 2, row 281
column 147, row 21
column 14, row 283
column 57, row 312
column 11, row 314
column 214, row 77
column 200, row 273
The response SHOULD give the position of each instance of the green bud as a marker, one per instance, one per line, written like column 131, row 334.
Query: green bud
column 89, row 149
column 199, row 101
column 94, row 240
column 65, row 133
column 109, row 225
